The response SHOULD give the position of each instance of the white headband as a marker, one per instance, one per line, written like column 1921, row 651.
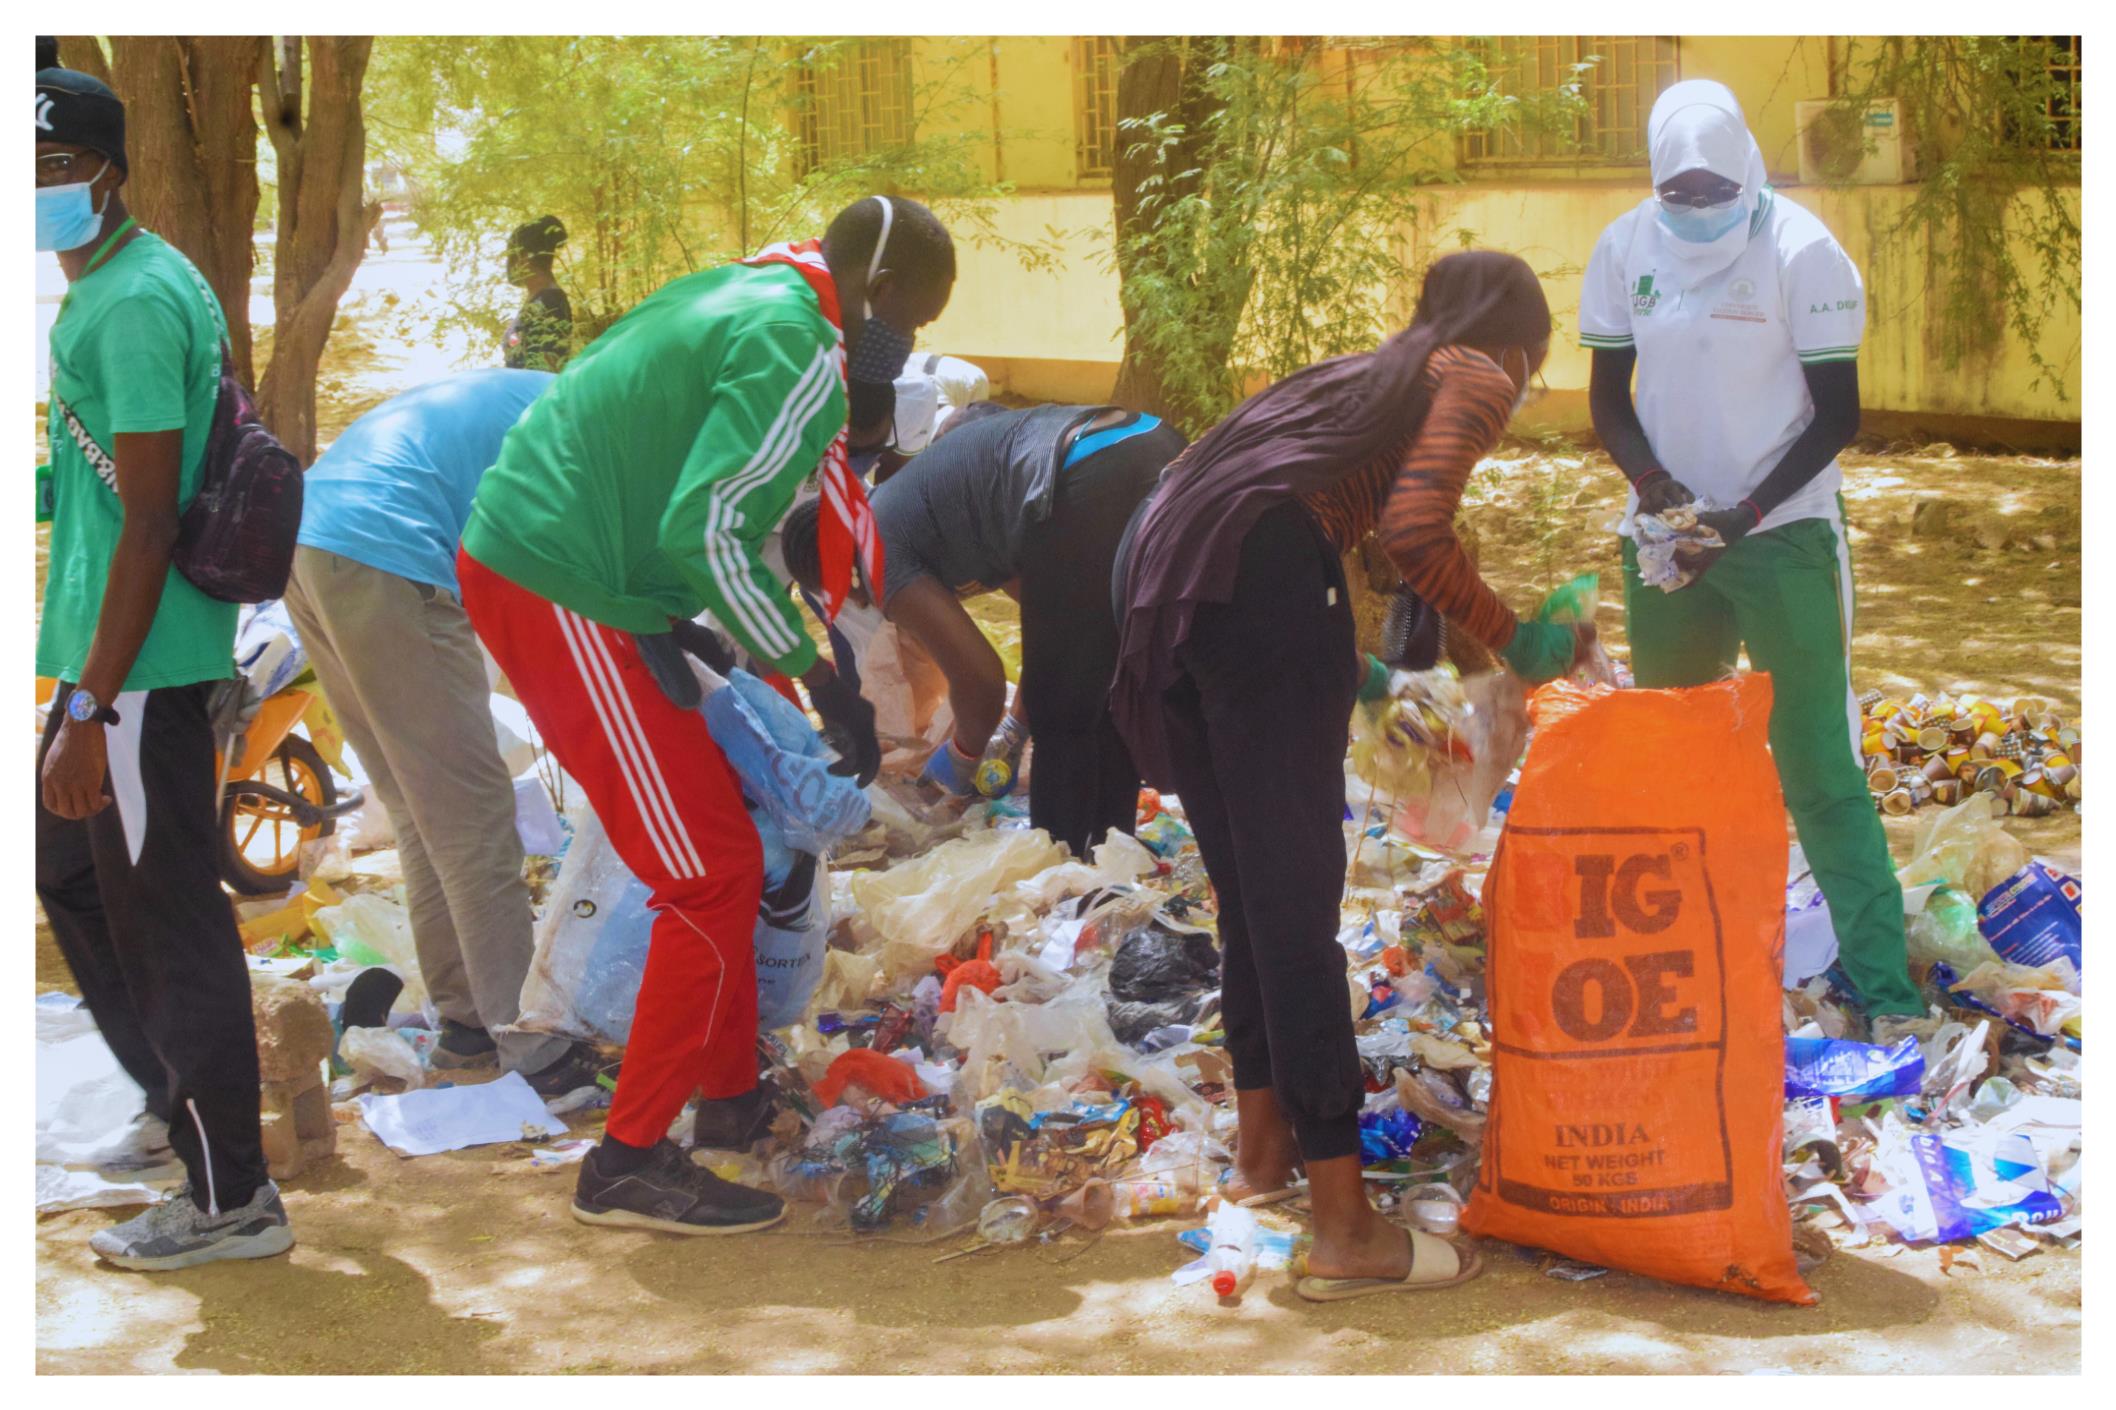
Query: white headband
column 881, row 241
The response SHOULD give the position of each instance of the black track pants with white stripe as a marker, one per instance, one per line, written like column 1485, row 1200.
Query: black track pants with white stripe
column 134, row 898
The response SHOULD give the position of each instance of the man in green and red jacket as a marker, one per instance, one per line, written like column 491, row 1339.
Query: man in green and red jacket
column 634, row 494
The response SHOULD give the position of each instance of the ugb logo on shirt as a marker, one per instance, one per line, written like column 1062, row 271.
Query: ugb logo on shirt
column 1645, row 298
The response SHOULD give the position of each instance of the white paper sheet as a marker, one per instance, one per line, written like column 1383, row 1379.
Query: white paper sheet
column 430, row 1121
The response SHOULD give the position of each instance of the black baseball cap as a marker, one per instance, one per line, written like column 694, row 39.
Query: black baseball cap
column 79, row 109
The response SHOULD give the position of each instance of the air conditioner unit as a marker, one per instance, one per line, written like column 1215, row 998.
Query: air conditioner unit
column 1860, row 146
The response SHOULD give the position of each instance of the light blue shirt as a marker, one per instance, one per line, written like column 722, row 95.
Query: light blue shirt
column 394, row 491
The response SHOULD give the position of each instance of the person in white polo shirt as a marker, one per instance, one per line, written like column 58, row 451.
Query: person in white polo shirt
column 1741, row 316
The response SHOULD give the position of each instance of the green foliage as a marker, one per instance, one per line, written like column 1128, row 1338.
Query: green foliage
column 662, row 155
column 1983, row 111
column 1270, row 238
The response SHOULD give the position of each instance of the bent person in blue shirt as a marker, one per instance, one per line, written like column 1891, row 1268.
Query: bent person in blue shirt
column 374, row 597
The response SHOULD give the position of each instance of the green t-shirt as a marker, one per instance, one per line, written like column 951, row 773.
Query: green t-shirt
column 642, row 484
column 136, row 348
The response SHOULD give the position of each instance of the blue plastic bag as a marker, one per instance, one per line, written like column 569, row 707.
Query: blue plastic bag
column 784, row 765
column 1831, row 1067
column 2032, row 918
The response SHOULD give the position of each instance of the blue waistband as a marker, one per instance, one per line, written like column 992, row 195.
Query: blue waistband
column 1104, row 439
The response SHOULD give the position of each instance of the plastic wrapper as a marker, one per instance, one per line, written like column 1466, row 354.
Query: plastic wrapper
column 1827, row 1067
column 1576, row 603
column 921, row 908
column 1965, row 847
column 2033, row 919
column 1944, row 1188
column 1660, row 537
column 1438, row 749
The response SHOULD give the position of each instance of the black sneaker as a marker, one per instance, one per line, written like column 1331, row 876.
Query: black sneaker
column 462, row 1046
column 734, row 1123
column 671, row 1194
column 577, row 1067
column 178, row 1234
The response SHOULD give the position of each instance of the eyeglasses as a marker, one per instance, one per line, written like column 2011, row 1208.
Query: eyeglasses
column 1718, row 200
column 56, row 167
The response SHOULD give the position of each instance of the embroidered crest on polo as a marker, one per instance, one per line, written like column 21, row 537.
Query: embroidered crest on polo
column 1645, row 298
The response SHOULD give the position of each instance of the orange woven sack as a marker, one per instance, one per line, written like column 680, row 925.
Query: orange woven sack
column 1637, row 912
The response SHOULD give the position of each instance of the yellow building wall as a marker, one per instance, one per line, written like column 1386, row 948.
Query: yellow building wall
column 1056, row 333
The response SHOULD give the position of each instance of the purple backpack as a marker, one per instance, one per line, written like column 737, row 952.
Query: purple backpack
column 236, row 541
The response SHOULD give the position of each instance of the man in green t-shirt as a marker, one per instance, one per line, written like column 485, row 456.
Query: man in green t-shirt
column 127, row 827
column 637, row 493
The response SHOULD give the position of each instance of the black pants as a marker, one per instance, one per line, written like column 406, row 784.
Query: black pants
column 151, row 938
column 1084, row 783
column 1257, row 728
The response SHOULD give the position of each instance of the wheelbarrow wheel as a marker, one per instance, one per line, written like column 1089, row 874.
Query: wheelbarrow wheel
column 260, row 838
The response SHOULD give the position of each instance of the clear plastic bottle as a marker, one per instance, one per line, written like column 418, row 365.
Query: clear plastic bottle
column 1232, row 1259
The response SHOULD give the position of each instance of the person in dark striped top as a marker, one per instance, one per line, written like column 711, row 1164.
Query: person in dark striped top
column 1236, row 680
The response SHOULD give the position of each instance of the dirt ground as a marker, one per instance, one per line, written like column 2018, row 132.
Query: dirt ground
column 446, row 1264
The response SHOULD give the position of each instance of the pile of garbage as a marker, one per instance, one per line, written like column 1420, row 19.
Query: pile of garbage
column 972, row 1033
column 2022, row 755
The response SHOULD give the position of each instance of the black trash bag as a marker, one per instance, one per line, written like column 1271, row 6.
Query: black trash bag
column 1161, row 977
column 1157, row 964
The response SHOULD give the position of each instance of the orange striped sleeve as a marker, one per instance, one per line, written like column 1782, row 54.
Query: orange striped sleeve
column 1471, row 403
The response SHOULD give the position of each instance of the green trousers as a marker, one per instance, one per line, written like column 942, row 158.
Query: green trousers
column 1786, row 595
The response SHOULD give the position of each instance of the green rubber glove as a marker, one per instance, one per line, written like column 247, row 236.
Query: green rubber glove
column 1375, row 686
column 1540, row 651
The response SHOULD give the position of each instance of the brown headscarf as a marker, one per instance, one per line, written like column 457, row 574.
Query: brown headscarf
column 1295, row 437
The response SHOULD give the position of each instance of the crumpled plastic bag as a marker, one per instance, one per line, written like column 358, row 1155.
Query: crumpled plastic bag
column 2044, row 1001
column 1439, row 748
column 783, row 763
column 1160, row 976
column 1946, row 930
column 921, row 908
column 370, row 929
column 593, row 936
column 1965, row 847
column 382, row 1052
column 1827, row 1067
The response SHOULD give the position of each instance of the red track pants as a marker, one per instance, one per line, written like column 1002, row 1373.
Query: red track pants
column 672, row 808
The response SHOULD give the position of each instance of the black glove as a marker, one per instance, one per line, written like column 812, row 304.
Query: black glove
column 665, row 661
column 1658, row 490
column 704, row 643
column 848, row 727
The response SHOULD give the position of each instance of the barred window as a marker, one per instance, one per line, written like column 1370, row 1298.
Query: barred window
column 2064, row 102
column 855, row 100
column 1618, row 90
column 1096, row 59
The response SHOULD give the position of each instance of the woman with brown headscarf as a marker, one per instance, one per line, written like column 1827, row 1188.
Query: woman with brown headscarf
column 1235, row 685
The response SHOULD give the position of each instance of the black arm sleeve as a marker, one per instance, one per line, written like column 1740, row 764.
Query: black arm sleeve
column 1615, row 417
column 1835, row 389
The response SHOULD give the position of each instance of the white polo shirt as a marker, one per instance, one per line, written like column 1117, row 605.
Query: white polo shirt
column 1720, row 391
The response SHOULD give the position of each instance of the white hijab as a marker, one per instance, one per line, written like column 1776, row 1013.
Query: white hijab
column 1698, row 124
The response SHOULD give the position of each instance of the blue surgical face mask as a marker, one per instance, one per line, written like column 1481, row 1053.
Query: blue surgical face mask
column 67, row 217
column 1701, row 227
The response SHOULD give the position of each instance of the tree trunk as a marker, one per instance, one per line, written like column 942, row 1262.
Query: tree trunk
column 1160, row 75
column 324, row 222
column 191, row 150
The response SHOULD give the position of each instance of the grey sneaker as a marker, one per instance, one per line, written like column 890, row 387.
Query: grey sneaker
column 178, row 1234
column 140, row 1145
column 671, row 1194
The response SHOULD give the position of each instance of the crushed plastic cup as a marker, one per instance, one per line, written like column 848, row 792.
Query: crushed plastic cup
column 1009, row 1219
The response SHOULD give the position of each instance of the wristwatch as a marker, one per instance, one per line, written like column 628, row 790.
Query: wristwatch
column 83, row 708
